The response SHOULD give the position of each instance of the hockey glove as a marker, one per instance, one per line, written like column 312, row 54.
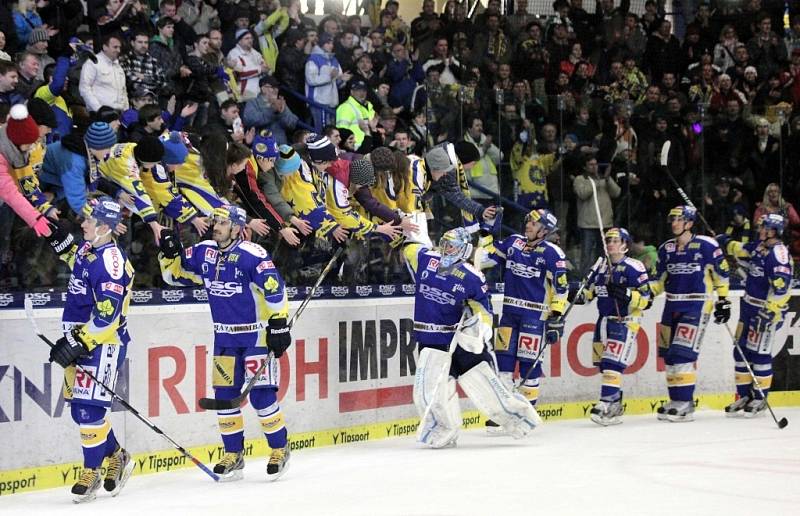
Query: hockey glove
column 60, row 240
column 170, row 246
column 722, row 311
column 555, row 327
column 68, row 349
column 619, row 293
column 278, row 336
column 575, row 297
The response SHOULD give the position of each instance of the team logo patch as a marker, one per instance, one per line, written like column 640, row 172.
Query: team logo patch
column 188, row 252
column 261, row 267
column 433, row 264
column 211, row 255
column 561, row 264
column 519, row 244
column 670, row 247
column 113, row 261
column 717, row 252
column 113, row 287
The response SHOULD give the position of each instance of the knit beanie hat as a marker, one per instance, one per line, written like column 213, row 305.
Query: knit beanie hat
column 20, row 128
column 288, row 161
column 38, row 34
column 100, row 135
column 106, row 114
column 467, row 152
column 149, row 150
column 175, row 150
column 264, row 147
column 382, row 158
column 42, row 113
column 362, row 173
column 240, row 33
column 321, row 149
column 324, row 38
column 437, row 159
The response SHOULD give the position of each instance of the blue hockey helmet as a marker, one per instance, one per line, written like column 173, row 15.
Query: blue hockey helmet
column 545, row 217
column 455, row 246
column 620, row 233
column 231, row 212
column 104, row 209
column 774, row 221
column 685, row 212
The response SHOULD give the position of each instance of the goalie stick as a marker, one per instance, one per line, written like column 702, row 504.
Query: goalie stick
column 32, row 319
column 220, row 404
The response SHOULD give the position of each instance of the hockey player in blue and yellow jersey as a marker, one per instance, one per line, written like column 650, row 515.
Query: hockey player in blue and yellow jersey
column 96, row 339
column 690, row 269
column 622, row 290
column 536, row 288
column 761, row 311
column 449, row 350
column 249, row 308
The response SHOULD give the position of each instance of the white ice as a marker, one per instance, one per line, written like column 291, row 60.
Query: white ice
column 711, row 466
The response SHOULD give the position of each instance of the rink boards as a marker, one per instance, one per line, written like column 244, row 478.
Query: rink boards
column 347, row 378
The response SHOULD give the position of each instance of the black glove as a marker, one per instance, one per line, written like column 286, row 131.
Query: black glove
column 68, row 349
column 170, row 246
column 554, row 327
column 722, row 311
column 619, row 293
column 278, row 336
column 60, row 239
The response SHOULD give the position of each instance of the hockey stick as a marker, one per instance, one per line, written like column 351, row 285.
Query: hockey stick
column 30, row 315
column 581, row 286
column 220, row 404
column 783, row 422
column 664, row 160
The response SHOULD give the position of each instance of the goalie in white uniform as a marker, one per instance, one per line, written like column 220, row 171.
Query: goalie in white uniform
column 450, row 290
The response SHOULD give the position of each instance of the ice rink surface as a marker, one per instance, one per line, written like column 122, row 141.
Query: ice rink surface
column 713, row 466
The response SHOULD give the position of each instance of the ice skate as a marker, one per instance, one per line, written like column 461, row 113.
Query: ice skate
column 736, row 409
column 85, row 489
column 230, row 467
column 607, row 413
column 278, row 463
column 681, row 412
column 755, row 408
column 118, row 471
column 493, row 428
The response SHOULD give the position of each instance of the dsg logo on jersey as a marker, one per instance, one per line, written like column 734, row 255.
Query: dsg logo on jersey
column 522, row 270
column 436, row 295
column 683, row 268
column 222, row 288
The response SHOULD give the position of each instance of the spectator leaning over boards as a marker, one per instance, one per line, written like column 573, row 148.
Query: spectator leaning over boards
column 17, row 137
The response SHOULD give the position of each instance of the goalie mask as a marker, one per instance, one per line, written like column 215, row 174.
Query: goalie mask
column 455, row 246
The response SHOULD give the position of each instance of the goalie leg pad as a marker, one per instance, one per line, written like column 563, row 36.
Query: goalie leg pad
column 511, row 411
column 436, row 399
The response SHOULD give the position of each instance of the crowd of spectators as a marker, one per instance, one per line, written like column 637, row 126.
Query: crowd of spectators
column 555, row 100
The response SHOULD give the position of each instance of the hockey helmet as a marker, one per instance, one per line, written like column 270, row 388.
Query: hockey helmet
column 231, row 212
column 104, row 209
column 455, row 246
column 620, row 233
column 773, row 221
column 685, row 212
column 545, row 217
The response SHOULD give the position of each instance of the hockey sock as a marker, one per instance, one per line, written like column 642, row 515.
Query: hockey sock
column 265, row 401
column 612, row 383
column 762, row 368
column 272, row 424
column 111, row 443
column 681, row 379
column 742, row 379
column 95, row 430
column 530, row 387
column 231, row 427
